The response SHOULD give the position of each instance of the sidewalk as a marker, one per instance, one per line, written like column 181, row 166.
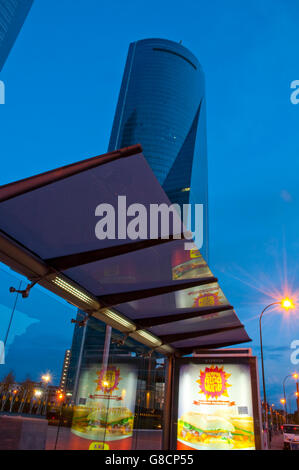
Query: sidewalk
column 277, row 442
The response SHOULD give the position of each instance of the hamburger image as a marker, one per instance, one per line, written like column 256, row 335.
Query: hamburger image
column 205, row 431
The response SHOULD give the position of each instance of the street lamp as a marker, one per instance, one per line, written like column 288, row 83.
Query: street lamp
column 286, row 304
column 295, row 376
column 283, row 401
column 46, row 378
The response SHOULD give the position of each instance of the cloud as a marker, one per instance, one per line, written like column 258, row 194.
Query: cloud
column 285, row 195
column 19, row 325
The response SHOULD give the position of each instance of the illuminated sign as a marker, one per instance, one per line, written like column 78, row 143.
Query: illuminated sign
column 213, row 382
column 215, row 407
column 108, row 379
column 104, row 417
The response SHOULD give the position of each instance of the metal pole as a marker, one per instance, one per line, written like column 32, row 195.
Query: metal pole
column 9, row 324
column 107, row 346
column 104, row 366
column 271, row 414
column 263, row 379
column 263, row 371
column 75, row 390
column 284, row 396
column 167, row 431
column 59, row 426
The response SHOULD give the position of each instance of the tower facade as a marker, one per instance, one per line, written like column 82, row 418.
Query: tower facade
column 161, row 105
column 12, row 16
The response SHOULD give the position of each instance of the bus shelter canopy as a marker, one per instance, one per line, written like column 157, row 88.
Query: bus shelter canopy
column 147, row 285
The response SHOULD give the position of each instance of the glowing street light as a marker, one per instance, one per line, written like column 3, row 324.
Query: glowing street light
column 295, row 376
column 46, row 378
column 286, row 304
column 283, row 402
column 38, row 393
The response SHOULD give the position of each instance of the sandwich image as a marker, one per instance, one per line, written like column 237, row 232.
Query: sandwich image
column 206, row 431
column 243, row 434
column 118, row 421
column 113, row 423
column 80, row 418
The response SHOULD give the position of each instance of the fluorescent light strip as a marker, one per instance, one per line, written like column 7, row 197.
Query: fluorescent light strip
column 149, row 337
column 122, row 321
column 72, row 290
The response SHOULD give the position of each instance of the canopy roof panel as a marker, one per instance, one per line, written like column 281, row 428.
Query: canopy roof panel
column 151, row 281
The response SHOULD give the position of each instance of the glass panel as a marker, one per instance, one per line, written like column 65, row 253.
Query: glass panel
column 118, row 392
column 36, row 332
column 46, row 220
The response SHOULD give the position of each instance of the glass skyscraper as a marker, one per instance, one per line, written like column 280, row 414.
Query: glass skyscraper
column 161, row 105
column 12, row 16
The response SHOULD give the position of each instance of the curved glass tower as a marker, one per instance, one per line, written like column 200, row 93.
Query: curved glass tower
column 161, row 105
column 12, row 16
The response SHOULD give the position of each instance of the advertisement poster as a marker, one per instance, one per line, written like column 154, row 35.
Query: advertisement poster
column 189, row 265
column 104, row 415
column 215, row 407
column 201, row 296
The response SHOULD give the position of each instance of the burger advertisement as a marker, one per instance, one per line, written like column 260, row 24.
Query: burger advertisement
column 104, row 414
column 215, row 407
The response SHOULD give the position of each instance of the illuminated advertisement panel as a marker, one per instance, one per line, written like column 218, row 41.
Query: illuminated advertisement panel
column 215, row 405
column 201, row 296
column 188, row 265
column 104, row 415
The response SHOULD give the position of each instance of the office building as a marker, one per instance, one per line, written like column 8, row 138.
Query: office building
column 12, row 16
column 161, row 106
column 65, row 369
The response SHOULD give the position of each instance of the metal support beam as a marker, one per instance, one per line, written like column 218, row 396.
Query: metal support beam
column 62, row 263
column 203, row 347
column 109, row 300
column 167, row 414
column 162, row 320
column 196, row 334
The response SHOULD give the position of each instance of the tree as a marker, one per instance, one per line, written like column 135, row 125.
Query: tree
column 8, row 380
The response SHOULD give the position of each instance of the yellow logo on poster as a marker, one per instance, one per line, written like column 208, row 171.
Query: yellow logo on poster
column 195, row 254
column 206, row 300
column 99, row 446
column 108, row 379
column 213, row 382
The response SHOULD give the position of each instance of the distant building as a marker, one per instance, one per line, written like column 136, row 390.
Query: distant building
column 12, row 16
column 65, row 369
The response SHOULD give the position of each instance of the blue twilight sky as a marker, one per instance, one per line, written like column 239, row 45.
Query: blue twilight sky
column 62, row 81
